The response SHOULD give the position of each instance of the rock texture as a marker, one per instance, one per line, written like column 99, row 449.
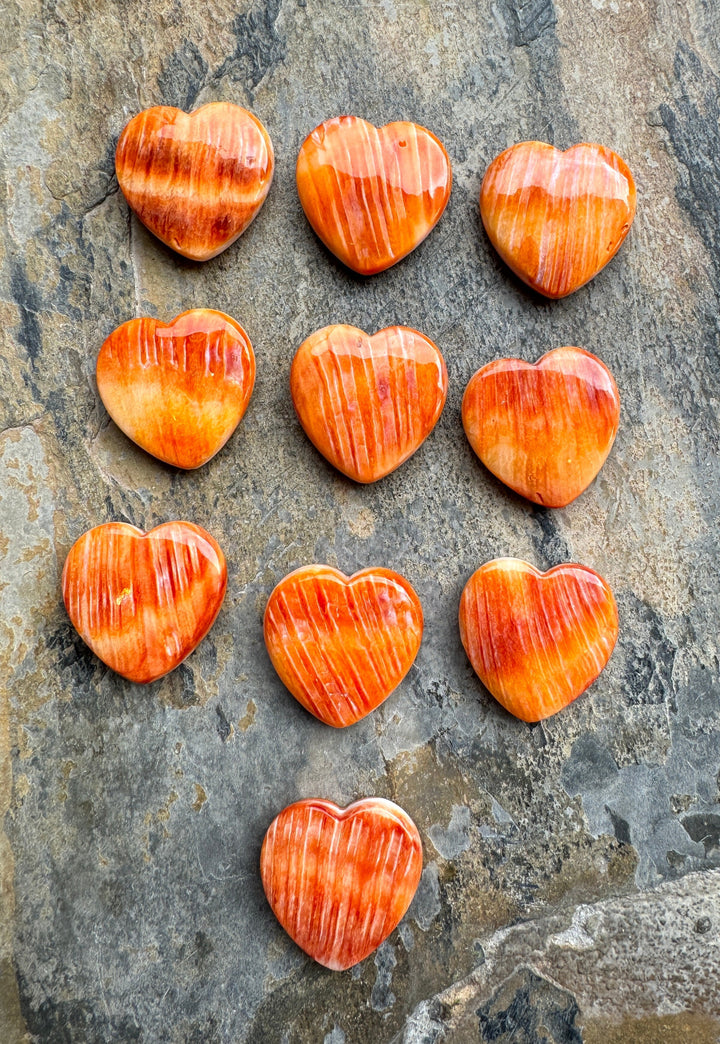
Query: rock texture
column 131, row 907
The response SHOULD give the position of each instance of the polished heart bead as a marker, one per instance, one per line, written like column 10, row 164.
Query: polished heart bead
column 196, row 180
column 143, row 601
column 556, row 218
column 178, row 389
column 342, row 644
column 372, row 194
column 537, row 640
column 544, row 429
column 340, row 880
column 367, row 403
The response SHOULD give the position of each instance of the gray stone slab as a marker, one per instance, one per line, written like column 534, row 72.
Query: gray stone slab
column 130, row 901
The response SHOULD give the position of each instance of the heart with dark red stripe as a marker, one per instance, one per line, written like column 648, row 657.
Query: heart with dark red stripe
column 196, row 180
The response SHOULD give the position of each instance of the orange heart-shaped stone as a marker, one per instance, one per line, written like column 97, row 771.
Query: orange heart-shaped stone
column 196, row 180
column 143, row 601
column 367, row 403
column 537, row 640
column 178, row 389
column 372, row 195
column 556, row 218
column 342, row 644
column 544, row 429
column 340, row 880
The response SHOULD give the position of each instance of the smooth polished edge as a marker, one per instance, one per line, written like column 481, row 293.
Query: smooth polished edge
column 109, row 372
column 347, row 579
column 372, row 804
column 173, row 116
column 508, row 566
column 604, row 153
column 349, row 121
column 546, row 363
column 318, row 345
column 126, row 528
column 326, row 924
column 125, row 531
column 366, row 690
column 344, row 248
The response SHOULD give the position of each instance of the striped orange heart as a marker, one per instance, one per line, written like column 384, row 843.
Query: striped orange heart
column 340, row 880
column 342, row 644
column 144, row 601
column 556, row 218
column 178, row 389
column 196, row 180
column 372, row 195
column 537, row 640
column 367, row 403
column 545, row 428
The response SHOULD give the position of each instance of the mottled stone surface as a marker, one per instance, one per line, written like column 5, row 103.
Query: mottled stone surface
column 130, row 900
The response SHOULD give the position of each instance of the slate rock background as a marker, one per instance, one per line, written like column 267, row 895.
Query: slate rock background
column 130, row 902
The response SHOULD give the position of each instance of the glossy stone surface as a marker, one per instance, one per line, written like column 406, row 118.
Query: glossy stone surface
column 178, row 389
column 143, row 601
column 195, row 179
column 367, row 403
column 544, row 429
column 342, row 644
column 340, row 880
column 556, row 218
column 372, row 194
column 537, row 640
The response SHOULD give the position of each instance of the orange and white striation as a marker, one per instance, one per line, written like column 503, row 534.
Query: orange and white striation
column 195, row 180
column 340, row 880
column 537, row 640
column 545, row 429
column 556, row 218
column 372, row 194
column 342, row 644
column 178, row 389
column 367, row 403
column 143, row 601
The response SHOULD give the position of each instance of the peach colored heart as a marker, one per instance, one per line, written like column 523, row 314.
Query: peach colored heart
column 372, row 194
column 195, row 180
column 342, row 644
column 367, row 403
column 144, row 601
column 178, row 389
column 340, row 880
column 537, row 640
column 556, row 218
column 544, row 429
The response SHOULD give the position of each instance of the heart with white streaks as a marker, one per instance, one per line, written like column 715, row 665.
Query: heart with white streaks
column 342, row 644
column 340, row 880
column 556, row 218
column 372, row 194
column 143, row 601
column 367, row 403
column 537, row 640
